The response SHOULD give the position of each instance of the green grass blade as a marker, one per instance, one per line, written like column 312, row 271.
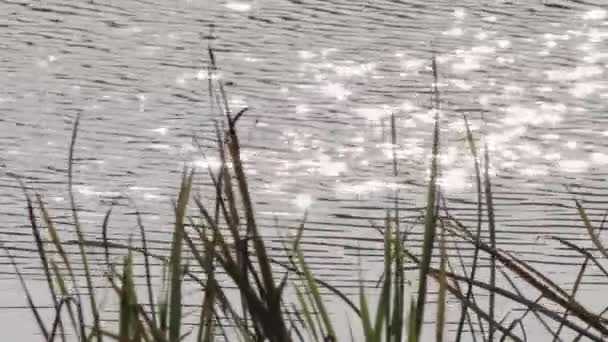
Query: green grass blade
column 126, row 319
column 314, row 290
column 397, row 319
column 57, row 273
column 163, row 302
column 175, row 260
column 39, row 244
column 81, row 240
column 260, row 250
column 210, row 292
column 472, row 330
column 412, row 336
column 42, row 254
column 366, row 320
column 66, row 296
column 430, row 218
column 310, row 324
column 441, row 297
column 476, row 167
column 384, row 308
column 492, row 229
column 300, row 232
column 104, row 236
column 56, row 240
column 144, row 242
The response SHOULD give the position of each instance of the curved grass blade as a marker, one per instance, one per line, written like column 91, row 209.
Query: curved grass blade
column 41, row 253
column 28, row 295
column 148, row 275
column 83, row 253
column 58, row 275
column 104, row 236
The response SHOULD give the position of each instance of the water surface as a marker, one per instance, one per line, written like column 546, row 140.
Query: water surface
column 321, row 79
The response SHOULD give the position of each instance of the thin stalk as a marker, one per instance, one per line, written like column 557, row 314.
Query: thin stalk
column 78, row 328
column 28, row 295
column 473, row 151
column 430, row 217
column 83, row 253
column 577, row 282
column 441, row 297
column 535, row 312
column 472, row 299
column 42, row 253
column 175, row 261
column 492, row 229
column 590, row 230
column 577, row 309
column 144, row 246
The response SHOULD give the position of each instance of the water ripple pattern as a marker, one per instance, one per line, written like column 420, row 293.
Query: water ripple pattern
column 321, row 79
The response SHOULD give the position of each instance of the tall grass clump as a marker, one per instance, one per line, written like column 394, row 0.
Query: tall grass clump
column 248, row 295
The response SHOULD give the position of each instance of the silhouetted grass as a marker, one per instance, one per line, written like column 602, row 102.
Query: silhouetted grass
column 220, row 249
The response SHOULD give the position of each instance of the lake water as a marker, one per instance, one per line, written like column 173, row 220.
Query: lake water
column 321, row 79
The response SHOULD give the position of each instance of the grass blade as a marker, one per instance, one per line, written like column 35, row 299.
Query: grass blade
column 411, row 326
column 175, row 260
column 310, row 324
column 365, row 318
column 590, row 230
column 469, row 293
column 492, row 229
column 83, row 254
column 127, row 302
column 398, row 323
column 163, row 302
column 42, row 254
column 28, row 295
column 148, row 275
column 430, row 217
column 441, row 297
column 577, row 282
column 314, row 290
column 104, row 236
column 384, row 308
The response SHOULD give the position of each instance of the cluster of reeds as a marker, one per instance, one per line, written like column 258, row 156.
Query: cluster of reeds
column 230, row 255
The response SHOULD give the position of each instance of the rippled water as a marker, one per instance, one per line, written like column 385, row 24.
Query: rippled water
column 321, row 79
